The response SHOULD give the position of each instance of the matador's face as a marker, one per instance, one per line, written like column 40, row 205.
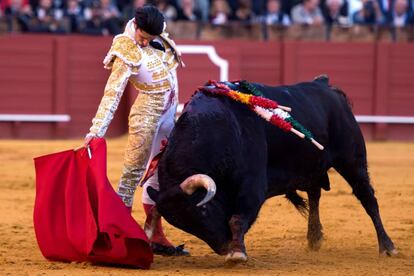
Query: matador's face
column 143, row 38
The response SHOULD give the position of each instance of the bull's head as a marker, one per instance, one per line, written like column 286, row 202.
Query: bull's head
column 193, row 207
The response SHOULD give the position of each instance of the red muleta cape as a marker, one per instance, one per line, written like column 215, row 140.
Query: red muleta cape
column 79, row 217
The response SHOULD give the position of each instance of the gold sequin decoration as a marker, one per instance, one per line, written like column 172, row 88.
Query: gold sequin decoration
column 154, row 64
column 125, row 48
column 159, row 87
column 169, row 59
column 114, row 89
column 160, row 75
column 143, row 124
column 160, row 54
column 170, row 47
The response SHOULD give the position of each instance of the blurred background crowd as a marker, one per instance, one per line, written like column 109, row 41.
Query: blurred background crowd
column 107, row 17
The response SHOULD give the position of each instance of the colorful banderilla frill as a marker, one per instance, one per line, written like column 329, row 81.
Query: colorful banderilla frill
column 268, row 109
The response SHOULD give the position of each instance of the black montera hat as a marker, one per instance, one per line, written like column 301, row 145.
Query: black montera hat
column 149, row 19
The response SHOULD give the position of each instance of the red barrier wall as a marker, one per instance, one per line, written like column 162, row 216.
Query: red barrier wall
column 395, row 82
column 350, row 66
column 64, row 75
column 26, row 82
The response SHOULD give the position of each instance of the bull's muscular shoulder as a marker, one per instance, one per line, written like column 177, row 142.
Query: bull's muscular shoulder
column 126, row 49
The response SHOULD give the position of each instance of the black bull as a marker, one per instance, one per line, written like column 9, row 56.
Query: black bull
column 220, row 144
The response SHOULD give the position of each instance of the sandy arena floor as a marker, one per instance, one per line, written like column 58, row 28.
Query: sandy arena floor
column 276, row 243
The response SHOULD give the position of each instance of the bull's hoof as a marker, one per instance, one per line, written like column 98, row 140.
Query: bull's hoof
column 315, row 238
column 386, row 247
column 236, row 257
column 389, row 253
column 315, row 245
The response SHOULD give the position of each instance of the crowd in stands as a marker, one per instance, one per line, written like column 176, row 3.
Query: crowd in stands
column 107, row 17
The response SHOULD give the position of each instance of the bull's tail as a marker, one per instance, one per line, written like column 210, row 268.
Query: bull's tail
column 299, row 202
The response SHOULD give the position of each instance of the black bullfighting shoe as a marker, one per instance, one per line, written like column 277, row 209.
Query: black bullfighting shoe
column 163, row 250
column 159, row 242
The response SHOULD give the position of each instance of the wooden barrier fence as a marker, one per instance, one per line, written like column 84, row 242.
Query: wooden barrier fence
column 63, row 75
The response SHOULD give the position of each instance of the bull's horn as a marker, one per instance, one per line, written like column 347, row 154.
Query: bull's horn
column 192, row 183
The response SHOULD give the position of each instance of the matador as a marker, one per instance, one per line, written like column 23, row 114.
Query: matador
column 146, row 57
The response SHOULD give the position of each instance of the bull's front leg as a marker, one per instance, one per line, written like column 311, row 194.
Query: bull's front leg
column 248, row 203
column 237, row 249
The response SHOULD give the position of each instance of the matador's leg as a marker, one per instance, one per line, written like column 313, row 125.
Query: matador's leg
column 166, row 125
column 164, row 130
column 143, row 123
column 153, row 225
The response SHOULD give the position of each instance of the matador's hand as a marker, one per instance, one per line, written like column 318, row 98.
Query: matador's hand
column 86, row 142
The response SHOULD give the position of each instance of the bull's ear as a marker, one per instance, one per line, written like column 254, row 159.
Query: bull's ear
column 153, row 194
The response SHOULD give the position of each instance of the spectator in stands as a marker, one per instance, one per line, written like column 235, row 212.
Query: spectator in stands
column 168, row 10
column 121, row 4
column 370, row 14
column 259, row 6
column 59, row 4
column 401, row 15
column 48, row 19
column 128, row 11
column 85, row 3
column 75, row 14
column 335, row 12
column 307, row 13
column 188, row 12
column 232, row 4
column 204, row 7
column 18, row 11
column 111, row 17
column 244, row 12
column 274, row 14
column 95, row 22
column 353, row 6
column 220, row 12
column 386, row 8
column 287, row 5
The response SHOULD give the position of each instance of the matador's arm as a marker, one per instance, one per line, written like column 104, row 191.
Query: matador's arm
column 124, row 59
column 114, row 89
